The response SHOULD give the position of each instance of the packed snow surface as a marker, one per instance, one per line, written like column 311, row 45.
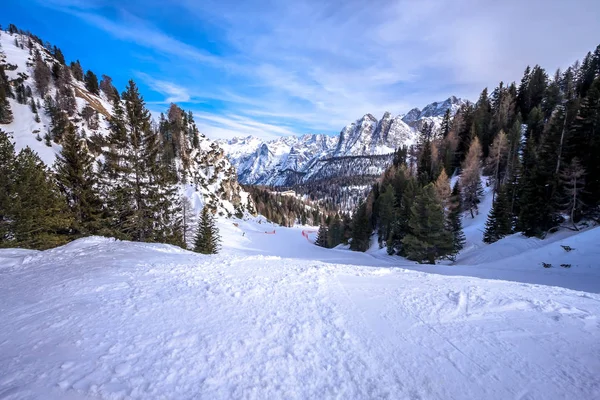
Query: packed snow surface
column 275, row 317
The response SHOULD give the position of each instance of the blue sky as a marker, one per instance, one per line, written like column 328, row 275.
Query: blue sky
column 270, row 68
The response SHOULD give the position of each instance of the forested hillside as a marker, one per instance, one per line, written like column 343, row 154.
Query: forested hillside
column 535, row 143
column 80, row 158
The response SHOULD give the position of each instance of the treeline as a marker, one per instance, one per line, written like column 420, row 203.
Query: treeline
column 287, row 210
column 538, row 144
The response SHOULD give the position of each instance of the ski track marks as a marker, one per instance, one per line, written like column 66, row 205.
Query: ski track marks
column 117, row 320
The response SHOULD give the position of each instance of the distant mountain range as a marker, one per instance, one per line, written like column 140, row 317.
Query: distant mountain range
column 293, row 160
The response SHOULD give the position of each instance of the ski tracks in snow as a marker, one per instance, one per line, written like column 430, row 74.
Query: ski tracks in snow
column 119, row 320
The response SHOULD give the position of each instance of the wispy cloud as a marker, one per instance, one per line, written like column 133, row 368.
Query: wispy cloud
column 173, row 92
column 229, row 125
column 267, row 67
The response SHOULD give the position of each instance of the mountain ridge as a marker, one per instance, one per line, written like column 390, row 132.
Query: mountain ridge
column 271, row 162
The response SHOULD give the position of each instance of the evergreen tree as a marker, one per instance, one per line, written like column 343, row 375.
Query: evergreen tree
column 77, row 70
column 322, row 236
column 7, row 166
column 335, row 231
column 454, row 220
column 499, row 222
column 6, row 115
column 495, row 163
column 91, row 82
column 445, row 127
column 117, row 168
column 138, row 154
column 361, row 229
column 425, row 168
column 537, row 190
column 207, row 236
column 584, row 143
column 387, row 214
column 75, row 174
column 57, row 53
column 38, row 214
column 428, row 239
column 482, row 121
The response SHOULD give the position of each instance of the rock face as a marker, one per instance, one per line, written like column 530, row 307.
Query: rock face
column 206, row 174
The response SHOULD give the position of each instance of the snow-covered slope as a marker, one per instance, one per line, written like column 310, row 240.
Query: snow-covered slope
column 210, row 175
column 276, row 317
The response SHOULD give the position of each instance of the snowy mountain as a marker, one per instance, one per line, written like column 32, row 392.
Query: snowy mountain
column 269, row 163
column 205, row 174
column 291, row 160
column 351, row 162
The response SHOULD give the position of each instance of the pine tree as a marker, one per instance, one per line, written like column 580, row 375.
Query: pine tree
column 207, row 236
column 584, row 143
column 77, row 70
column 495, row 163
column 6, row 115
column 482, row 119
column 428, row 239
column 57, row 53
column 499, row 222
column 38, row 214
column 7, row 166
column 335, row 232
column 445, row 127
column 425, row 163
column 117, row 169
column 361, row 229
column 138, row 156
column 322, row 236
column 387, row 213
column 75, row 174
column 454, row 220
column 91, row 82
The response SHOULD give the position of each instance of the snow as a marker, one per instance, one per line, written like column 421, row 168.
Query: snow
column 275, row 316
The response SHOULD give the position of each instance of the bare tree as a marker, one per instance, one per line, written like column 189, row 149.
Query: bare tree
column 496, row 159
column 188, row 221
column 470, row 180
column 442, row 188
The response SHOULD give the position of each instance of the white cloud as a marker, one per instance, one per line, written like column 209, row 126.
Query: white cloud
column 173, row 92
column 317, row 65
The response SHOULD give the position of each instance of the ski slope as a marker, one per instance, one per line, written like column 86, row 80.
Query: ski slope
column 274, row 316
column 514, row 258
